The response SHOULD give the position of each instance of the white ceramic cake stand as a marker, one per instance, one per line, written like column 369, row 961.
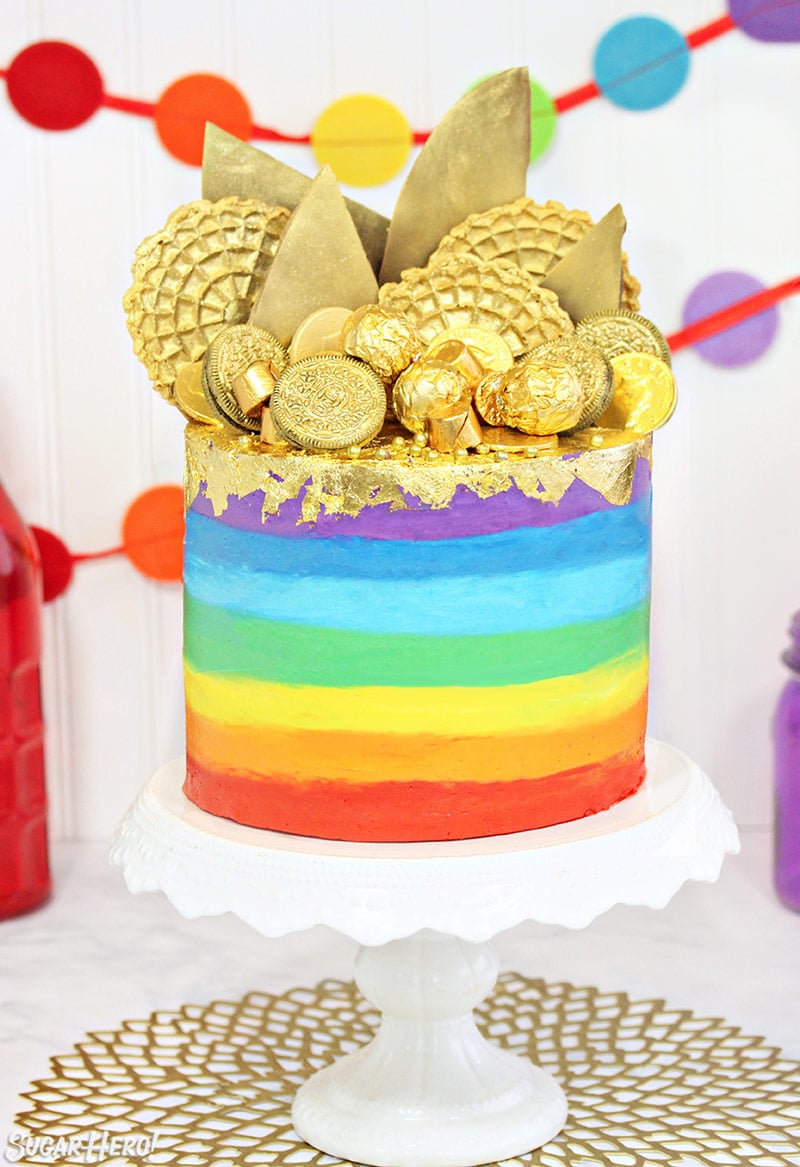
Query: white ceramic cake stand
column 429, row 1090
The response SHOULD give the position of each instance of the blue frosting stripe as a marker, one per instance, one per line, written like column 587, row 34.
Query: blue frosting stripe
column 440, row 605
column 575, row 543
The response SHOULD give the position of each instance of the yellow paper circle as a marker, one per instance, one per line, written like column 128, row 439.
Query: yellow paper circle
column 364, row 139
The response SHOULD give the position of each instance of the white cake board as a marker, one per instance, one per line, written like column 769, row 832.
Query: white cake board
column 429, row 1090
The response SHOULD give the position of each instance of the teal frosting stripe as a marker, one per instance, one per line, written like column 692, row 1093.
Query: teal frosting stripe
column 220, row 641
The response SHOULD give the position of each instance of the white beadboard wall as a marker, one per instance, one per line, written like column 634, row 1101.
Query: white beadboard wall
column 708, row 182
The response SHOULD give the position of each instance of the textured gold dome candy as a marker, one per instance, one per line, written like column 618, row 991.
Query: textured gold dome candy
column 425, row 389
column 197, row 275
column 534, row 236
column 385, row 341
column 541, row 397
column 467, row 292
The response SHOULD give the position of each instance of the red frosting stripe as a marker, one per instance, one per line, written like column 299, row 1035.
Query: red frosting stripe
column 414, row 811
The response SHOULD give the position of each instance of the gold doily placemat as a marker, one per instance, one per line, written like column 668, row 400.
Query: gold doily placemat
column 646, row 1084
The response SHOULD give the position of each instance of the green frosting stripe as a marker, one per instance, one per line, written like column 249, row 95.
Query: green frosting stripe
column 218, row 640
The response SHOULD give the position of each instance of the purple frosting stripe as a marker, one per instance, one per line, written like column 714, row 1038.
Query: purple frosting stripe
column 466, row 515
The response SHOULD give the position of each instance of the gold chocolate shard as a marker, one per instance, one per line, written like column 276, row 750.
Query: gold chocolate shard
column 198, row 274
column 321, row 332
column 320, row 263
column 233, row 167
column 476, row 157
column 589, row 277
column 459, row 430
column 465, row 292
column 328, row 402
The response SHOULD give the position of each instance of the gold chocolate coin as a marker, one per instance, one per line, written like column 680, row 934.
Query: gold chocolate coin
column 189, row 396
column 328, row 402
column 620, row 331
column 321, row 332
column 488, row 348
column 230, row 354
column 514, row 442
column 592, row 368
column 645, row 394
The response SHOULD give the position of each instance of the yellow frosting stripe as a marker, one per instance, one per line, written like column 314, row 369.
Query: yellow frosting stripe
column 559, row 702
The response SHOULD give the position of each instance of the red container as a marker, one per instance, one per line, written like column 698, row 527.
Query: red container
column 24, row 869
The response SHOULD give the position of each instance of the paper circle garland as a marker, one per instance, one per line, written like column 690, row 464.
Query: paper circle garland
column 54, row 85
column 776, row 21
column 152, row 533
column 744, row 342
column 641, row 63
column 184, row 107
column 57, row 563
column 364, row 139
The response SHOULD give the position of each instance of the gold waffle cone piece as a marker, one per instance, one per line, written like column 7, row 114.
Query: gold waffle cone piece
column 196, row 276
column 467, row 292
column 534, row 236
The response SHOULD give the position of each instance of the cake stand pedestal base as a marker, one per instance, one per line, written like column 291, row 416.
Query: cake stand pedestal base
column 429, row 1087
column 429, row 1090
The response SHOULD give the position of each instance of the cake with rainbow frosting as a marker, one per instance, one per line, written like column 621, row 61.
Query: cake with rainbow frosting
column 418, row 506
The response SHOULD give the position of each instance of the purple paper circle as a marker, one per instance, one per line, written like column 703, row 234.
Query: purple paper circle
column 766, row 21
column 742, row 343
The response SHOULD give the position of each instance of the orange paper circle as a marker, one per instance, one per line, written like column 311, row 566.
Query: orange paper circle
column 364, row 139
column 152, row 533
column 183, row 109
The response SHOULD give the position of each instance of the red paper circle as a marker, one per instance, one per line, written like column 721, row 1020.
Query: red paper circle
column 152, row 533
column 184, row 107
column 57, row 563
column 54, row 85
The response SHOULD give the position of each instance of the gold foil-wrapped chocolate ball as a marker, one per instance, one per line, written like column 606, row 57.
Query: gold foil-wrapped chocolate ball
column 387, row 343
column 428, row 388
column 541, row 397
column 487, row 398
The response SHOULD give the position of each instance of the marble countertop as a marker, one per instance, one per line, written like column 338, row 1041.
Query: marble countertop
column 96, row 955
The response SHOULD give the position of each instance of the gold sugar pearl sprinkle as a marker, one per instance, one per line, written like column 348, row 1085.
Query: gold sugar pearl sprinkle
column 482, row 448
column 501, row 455
column 243, row 441
column 383, row 452
column 353, row 451
column 597, row 439
column 420, row 440
column 432, row 454
column 398, row 441
column 460, row 452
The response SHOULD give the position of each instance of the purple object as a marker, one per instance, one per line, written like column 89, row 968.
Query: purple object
column 786, row 733
column 767, row 20
column 744, row 342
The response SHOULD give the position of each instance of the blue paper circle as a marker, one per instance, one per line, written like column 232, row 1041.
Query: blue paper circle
column 641, row 63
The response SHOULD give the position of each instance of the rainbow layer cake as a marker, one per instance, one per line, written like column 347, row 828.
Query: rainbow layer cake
column 417, row 557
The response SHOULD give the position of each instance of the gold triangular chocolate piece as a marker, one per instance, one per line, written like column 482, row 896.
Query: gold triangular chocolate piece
column 320, row 263
column 589, row 277
column 233, row 167
column 476, row 158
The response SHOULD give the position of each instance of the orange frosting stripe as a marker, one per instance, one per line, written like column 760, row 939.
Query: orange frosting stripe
column 416, row 811
column 367, row 758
